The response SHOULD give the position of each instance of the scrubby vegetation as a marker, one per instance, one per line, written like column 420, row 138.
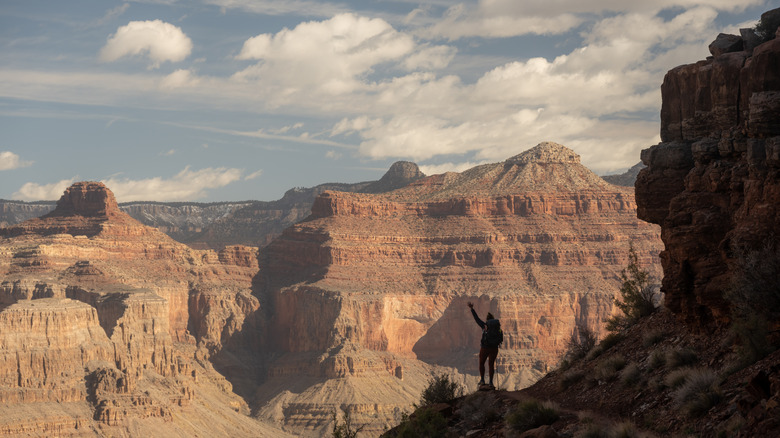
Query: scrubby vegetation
column 426, row 423
column 581, row 342
column 680, row 357
column 699, row 392
column 532, row 414
column 637, row 295
column 440, row 389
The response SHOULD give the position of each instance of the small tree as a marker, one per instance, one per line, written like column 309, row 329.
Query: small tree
column 637, row 295
column 345, row 429
column 582, row 340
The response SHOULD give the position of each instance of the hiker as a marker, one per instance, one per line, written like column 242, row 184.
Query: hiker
column 492, row 336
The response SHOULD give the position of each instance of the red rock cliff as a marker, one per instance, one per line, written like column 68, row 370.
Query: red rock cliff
column 713, row 184
column 375, row 286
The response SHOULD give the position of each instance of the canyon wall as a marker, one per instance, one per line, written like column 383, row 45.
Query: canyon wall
column 713, row 184
column 372, row 289
column 96, row 332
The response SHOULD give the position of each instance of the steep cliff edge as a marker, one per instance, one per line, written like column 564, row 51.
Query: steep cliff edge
column 371, row 290
column 96, row 333
column 713, row 184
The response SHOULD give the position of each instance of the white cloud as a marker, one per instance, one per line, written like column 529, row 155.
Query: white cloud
column 167, row 153
column 435, row 169
column 10, row 161
column 185, row 185
column 43, row 192
column 158, row 40
column 329, row 56
column 333, row 155
column 506, row 18
column 178, row 79
column 254, row 175
column 282, row 7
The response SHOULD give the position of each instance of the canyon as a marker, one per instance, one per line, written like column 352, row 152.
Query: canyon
column 94, row 327
column 369, row 292
column 354, row 308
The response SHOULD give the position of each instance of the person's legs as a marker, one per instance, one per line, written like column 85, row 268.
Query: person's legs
column 492, row 354
column 483, row 355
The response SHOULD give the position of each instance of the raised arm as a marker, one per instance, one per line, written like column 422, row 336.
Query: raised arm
column 476, row 318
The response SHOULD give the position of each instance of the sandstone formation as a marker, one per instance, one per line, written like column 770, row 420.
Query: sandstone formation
column 713, row 184
column 96, row 333
column 366, row 297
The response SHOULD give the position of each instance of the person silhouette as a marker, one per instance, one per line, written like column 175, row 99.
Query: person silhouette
column 492, row 336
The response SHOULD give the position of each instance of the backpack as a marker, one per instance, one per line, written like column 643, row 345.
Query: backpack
column 493, row 336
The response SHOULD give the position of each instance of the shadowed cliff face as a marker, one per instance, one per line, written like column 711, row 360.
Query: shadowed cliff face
column 375, row 286
column 713, row 184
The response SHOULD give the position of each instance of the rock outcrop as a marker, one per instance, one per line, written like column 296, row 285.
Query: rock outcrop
column 713, row 184
column 96, row 333
column 370, row 291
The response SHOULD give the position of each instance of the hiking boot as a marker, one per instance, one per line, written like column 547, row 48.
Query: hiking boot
column 481, row 382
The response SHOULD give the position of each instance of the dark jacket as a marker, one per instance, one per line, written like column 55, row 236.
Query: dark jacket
column 483, row 325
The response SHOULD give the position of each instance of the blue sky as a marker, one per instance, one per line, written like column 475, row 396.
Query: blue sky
column 223, row 100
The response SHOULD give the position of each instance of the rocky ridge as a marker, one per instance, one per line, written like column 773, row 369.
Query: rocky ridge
column 97, row 336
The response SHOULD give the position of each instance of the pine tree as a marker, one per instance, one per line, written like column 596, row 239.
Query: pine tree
column 637, row 295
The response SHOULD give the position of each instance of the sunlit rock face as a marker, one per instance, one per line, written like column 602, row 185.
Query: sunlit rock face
column 377, row 285
column 97, row 330
column 713, row 184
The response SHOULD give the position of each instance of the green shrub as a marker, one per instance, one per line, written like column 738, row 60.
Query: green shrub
column 426, row 423
column 440, row 389
column 637, row 295
column 532, row 414
column 699, row 393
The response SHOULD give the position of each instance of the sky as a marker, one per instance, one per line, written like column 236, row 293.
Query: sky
column 229, row 100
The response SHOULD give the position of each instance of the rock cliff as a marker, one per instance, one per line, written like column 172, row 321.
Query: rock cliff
column 362, row 300
column 713, row 184
column 96, row 335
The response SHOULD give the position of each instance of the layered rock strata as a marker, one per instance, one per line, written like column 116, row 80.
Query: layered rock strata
column 713, row 184
column 376, row 286
column 96, row 334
